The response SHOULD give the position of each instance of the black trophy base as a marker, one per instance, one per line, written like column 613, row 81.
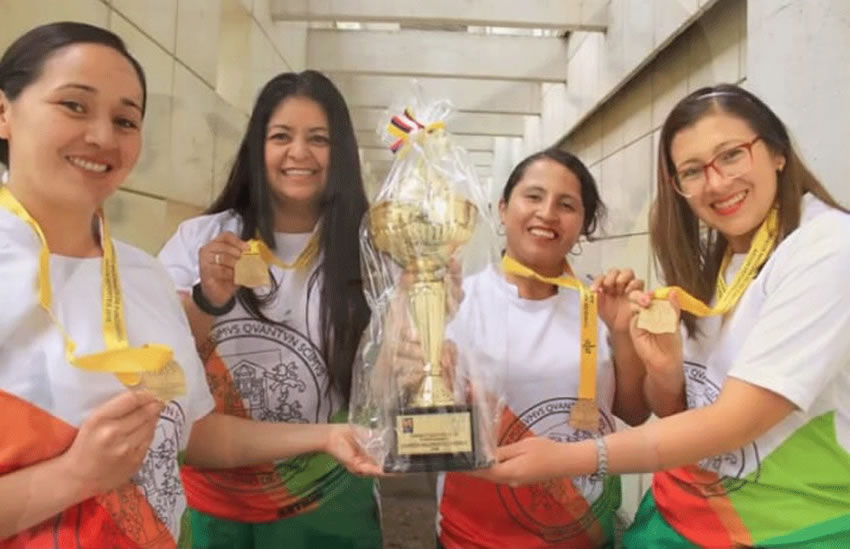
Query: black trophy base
column 427, row 460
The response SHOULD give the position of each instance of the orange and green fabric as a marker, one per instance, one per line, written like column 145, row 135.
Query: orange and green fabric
column 44, row 398
column 121, row 519
column 270, row 372
column 306, row 501
column 349, row 520
column 555, row 514
column 268, row 492
column 798, row 497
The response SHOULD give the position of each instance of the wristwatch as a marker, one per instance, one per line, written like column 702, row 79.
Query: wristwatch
column 203, row 304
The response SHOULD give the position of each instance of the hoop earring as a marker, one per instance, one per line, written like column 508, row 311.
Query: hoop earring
column 500, row 230
column 580, row 249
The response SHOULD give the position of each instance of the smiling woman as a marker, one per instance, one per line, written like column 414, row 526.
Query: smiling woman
column 91, row 96
column 74, row 460
column 753, row 445
column 89, row 462
column 297, row 155
column 295, row 189
column 520, row 328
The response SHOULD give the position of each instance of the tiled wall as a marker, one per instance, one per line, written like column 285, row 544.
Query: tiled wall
column 600, row 63
column 800, row 65
column 619, row 144
column 204, row 60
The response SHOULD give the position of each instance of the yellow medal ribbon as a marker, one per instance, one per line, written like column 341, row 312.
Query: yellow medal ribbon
column 585, row 415
column 119, row 358
column 305, row 258
column 727, row 297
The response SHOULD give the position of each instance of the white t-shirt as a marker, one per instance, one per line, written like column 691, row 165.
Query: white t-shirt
column 288, row 357
column 36, row 379
column 790, row 334
column 527, row 350
column 268, row 372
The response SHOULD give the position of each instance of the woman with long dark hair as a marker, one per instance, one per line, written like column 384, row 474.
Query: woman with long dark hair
column 282, row 352
column 753, row 448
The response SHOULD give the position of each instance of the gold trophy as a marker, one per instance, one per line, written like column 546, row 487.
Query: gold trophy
column 431, row 431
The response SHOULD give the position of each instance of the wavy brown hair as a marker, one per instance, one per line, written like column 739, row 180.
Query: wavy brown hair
column 688, row 252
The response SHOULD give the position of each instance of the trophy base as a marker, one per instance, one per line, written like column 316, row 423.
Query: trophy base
column 438, row 438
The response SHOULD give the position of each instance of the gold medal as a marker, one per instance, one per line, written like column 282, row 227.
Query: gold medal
column 584, row 416
column 727, row 296
column 658, row 318
column 251, row 271
column 167, row 384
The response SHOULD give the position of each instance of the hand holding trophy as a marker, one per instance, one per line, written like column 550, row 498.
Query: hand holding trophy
column 428, row 209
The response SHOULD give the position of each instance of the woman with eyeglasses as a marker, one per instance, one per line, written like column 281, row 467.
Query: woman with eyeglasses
column 753, row 448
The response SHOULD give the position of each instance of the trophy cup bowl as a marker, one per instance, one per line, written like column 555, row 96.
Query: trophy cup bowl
column 431, row 432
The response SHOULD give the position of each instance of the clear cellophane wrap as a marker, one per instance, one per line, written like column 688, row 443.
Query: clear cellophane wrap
column 429, row 229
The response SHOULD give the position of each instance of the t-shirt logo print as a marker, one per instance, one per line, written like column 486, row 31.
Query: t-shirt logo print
column 159, row 478
column 266, row 394
column 268, row 372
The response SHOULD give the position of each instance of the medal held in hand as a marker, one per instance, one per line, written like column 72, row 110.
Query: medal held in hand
column 658, row 318
column 660, row 314
column 166, row 384
column 251, row 271
column 252, row 268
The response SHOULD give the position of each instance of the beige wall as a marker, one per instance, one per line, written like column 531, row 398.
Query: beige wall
column 619, row 144
column 205, row 60
column 618, row 141
column 800, row 65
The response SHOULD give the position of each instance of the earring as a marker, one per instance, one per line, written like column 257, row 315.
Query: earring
column 577, row 245
column 500, row 230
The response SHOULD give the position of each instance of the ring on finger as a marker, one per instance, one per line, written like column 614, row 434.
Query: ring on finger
column 217, row 259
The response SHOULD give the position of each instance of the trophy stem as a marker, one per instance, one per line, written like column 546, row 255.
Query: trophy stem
column 428, row 305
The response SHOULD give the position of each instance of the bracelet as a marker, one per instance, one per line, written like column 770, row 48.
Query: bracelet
column 601, row 455
column 203, row 303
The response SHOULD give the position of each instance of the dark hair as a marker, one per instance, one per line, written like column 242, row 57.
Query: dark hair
column 594, row 208
column 344, row 313
column 688, row 252
column 23, row 61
